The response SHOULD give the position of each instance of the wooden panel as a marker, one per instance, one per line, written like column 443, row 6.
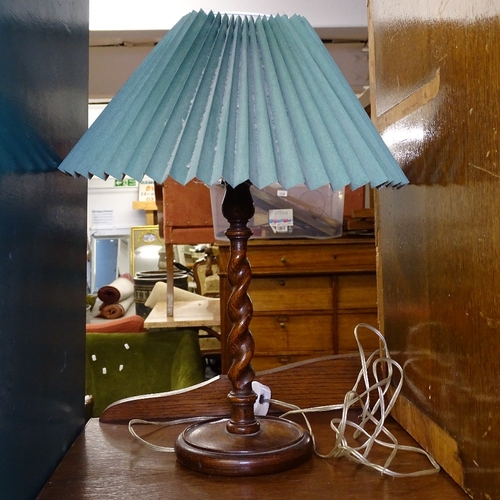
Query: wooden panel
column 288, row 332
column 306, row 260
column 184, row 212
column 304, row 284
column 357, row 291
column 306, row 256
column 314, row 382
column 267, row 362
column 268, row 335
column 282, row 293
column 107, row 462
column 311, row 333
column 186, row 205
column 439, row 238
column 346, row 325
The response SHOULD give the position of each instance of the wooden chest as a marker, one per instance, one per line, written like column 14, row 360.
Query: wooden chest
column 307, row 296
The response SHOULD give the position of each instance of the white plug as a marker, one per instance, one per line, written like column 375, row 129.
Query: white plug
column 263, row 392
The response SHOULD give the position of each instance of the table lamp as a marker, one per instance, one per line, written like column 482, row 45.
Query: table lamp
column 249, row 100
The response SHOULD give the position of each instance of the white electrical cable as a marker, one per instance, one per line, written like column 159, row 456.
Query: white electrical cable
column 360, row 453
column 155, row 447
column 378, row 360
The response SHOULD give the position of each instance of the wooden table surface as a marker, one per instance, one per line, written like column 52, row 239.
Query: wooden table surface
column 106, row 462
column 187, row 313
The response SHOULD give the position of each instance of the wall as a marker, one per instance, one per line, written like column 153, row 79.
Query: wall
column 160, row 15
column 436, row 68
column 43, row 111
column 114, row 198
column 123, row 33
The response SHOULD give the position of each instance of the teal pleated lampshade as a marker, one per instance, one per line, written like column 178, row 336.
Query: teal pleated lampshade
column 237, row 98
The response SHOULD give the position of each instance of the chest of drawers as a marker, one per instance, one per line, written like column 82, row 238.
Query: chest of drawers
column 307, row 296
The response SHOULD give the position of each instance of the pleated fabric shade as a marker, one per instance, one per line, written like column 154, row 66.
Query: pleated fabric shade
column 237, row 98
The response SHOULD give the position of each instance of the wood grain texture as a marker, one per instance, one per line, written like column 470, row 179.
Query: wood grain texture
column 306, row 256
column 315, row 382
column 184, row 212
column 418, row 98
column 307, row 297
column 106, row 462
column 439, row 238
column 430, row 436
column 238, row 209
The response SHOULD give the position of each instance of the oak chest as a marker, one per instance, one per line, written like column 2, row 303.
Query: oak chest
column 307, row 296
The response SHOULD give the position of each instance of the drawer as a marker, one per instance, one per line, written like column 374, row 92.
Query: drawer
column 311, row 259
column 292, row 294
column 357, row 291
column 289, row 333
column 346, row 325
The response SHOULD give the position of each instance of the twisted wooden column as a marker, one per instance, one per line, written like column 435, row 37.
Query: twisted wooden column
column 242, row 445
column 238, row 209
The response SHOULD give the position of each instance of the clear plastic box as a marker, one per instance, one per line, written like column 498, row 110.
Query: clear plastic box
column 294, row 213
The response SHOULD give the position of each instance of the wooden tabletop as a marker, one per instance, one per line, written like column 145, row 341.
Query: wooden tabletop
column 106, row 462
column 188, row 313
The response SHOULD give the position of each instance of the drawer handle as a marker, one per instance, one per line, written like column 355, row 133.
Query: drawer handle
column 282, row 320
column 282, row 282
column 283, row 260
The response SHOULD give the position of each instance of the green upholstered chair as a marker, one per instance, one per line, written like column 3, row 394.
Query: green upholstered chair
column 119, row 365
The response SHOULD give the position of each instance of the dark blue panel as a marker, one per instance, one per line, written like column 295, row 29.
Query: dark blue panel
column 43, row 112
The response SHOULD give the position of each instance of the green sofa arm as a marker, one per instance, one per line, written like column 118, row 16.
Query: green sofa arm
column 120, row 365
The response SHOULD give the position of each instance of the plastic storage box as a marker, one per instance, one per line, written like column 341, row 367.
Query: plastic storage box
column 294, row 213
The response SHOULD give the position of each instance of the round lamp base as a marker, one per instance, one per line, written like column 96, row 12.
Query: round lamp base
column 277, row 446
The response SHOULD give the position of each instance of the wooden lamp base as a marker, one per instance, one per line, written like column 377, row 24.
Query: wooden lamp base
column 277, row 446
column 242, row 445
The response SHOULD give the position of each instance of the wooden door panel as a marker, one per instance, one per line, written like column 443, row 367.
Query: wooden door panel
column 293, row 333
column 347, row 340
column 435, row 80
column 295, row 294
column 357, row 291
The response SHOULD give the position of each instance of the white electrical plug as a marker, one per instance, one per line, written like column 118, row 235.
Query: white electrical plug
column 263, row 392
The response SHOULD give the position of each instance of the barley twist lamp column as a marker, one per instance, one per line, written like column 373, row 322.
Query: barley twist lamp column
column 238, row 209
column 242, row 444
column 246, row 99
